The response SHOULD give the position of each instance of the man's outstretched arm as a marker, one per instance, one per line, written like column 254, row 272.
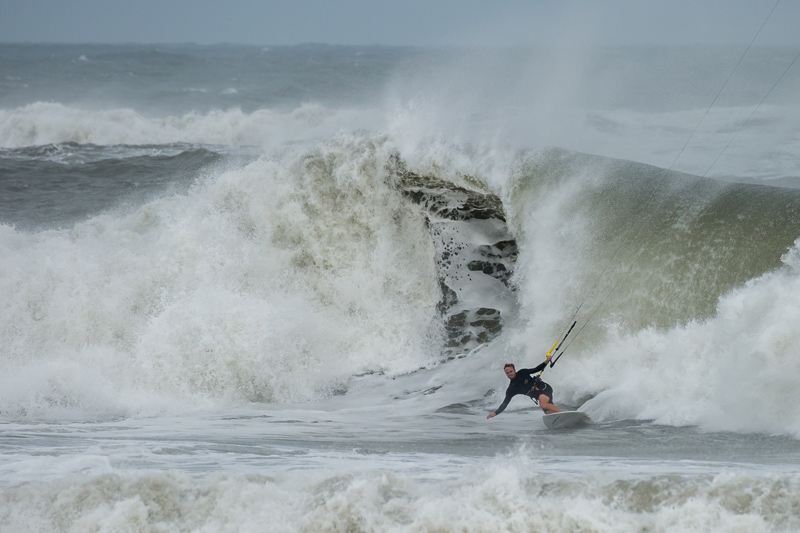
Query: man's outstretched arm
column 501, row 408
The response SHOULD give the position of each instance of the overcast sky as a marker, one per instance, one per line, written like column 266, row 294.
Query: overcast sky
column 400, row 22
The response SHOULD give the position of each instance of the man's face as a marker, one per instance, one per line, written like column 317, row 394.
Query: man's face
column 510, row 372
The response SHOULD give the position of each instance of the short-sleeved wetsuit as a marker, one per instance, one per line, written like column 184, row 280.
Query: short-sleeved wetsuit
column 525, row 382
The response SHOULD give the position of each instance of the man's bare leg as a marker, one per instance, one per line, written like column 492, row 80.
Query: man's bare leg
column 547, row 406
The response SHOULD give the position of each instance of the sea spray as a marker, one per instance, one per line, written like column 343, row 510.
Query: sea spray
column 278, row 280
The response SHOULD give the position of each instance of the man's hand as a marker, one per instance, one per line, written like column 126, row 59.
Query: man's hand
column 491, row 415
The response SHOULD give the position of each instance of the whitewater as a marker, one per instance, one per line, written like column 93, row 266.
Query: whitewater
column 273, row 289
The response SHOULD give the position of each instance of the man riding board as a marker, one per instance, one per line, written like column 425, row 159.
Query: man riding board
column 524, row 381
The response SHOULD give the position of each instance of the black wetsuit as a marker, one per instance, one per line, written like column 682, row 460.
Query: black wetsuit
column 525, row 382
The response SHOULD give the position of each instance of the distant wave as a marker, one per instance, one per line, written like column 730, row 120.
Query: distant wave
column 58, row 185
column 45, row 123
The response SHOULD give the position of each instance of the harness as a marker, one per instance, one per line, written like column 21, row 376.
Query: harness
column 536, row 389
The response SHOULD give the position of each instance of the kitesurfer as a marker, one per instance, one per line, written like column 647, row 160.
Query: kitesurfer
column 524, row 381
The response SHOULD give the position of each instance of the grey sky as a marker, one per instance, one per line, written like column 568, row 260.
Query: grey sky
column 400, row 22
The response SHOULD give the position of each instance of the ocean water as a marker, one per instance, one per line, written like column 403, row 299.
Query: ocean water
column 273, row 289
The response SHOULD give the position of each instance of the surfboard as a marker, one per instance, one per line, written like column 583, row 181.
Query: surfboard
column 564, row 419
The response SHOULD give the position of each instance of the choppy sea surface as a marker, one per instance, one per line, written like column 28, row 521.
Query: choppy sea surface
column 273, row 289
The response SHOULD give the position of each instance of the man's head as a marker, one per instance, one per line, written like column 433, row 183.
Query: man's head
column 510, row 370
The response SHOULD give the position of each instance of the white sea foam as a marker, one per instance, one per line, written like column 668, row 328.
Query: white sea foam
column 500, row 496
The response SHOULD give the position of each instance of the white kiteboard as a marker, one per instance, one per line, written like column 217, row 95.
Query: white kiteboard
column 565, row 419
